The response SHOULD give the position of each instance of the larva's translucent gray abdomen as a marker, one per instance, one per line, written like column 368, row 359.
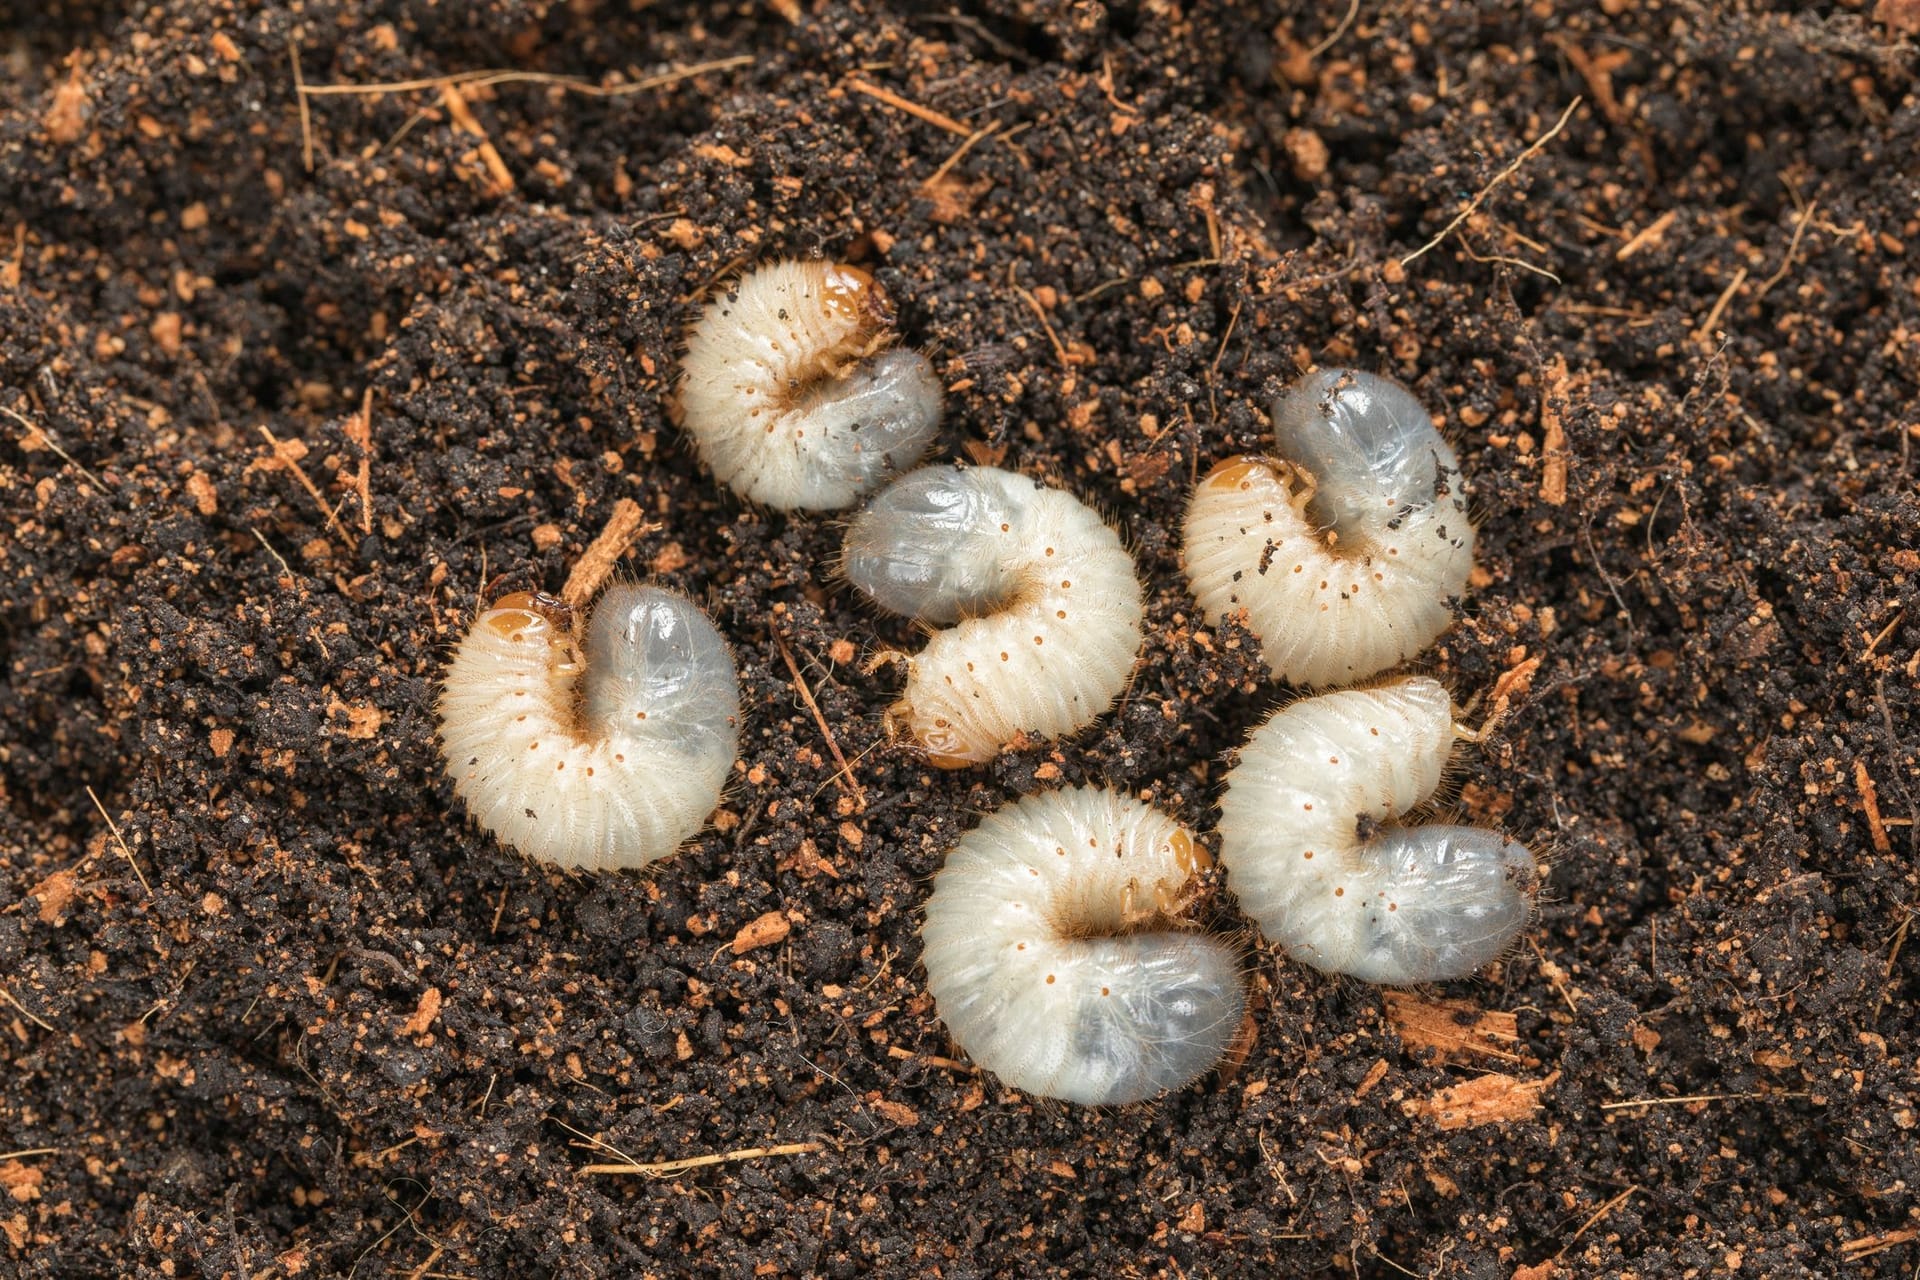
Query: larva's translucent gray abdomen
column 1037, row 596
column 1055, row 955
column 927, row 546
column 657, row 668
column 1462, row 895
column 1370, row 446
column 1178, row 1003
column 878, row 420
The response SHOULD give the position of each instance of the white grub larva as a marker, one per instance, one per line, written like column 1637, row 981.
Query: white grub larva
column 1055, row 956
column 789, row 394
column 1311, row 840
column 597, row 755
column 1348, row 554
column 1045, row 607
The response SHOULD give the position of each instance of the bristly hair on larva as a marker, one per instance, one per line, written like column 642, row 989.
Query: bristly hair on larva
column 597, row 751
column 1314, row 845
column 1347, row 553
column 1039, row 603
column 793, row 393
column 1058, row 953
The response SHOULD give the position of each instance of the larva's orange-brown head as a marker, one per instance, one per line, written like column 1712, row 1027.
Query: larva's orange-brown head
column 1188, row 854
column 525, row 613
column 940, row 739
column 1235, row 473
column 854, row 294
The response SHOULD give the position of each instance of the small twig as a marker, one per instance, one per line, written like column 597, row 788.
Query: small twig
column 914, row 109
column 360, row 431
column 1690, row 1098
column 1226, row 337
column 1504, row 259
column 1652, row 233
column 1870, row 805
column 946, row 166
column 591, row 1141
column 933, row 1060
column 1598, row 1214
column 1793, row 245
column 1353, row 11
column 845, row 777
column 120, row 840
column 46, row 438
column 464, row 118
column 30, row 1151
column 1893, row 958
column 421, row 1271
column 1885, row 631
column 1898, row 752
column 1058, row 350
column 596, row 563
column 1554, row 457
column 282, row 560
column 283, row 455
column 572, row 84
column 666, row 1167
column 300, row 92
column 1867, row 1246
column 1513, row 167
column 31, row 1016
column 1705, row 332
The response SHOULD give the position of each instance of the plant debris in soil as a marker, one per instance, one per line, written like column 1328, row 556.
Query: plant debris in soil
column 320, row 323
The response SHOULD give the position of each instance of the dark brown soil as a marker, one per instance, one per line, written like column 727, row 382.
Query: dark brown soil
column 306, row 1021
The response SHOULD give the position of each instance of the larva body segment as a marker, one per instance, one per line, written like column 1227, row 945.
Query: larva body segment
column 1310, row 840
column 789, row 396
column 1054, row 956
column 1348, row 554
column 597, row 756
column 1045, row 607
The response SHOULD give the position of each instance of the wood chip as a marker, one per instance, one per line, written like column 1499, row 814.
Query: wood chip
column 205, row 500
column 1454, row 1030
column 1900, row 16
column 1870, row 805
column 1553, row 452
column 762, row 932
column 22, row 1182
column 424, row 1013
column 1491, row 1099
column 54, row 893
column 596, row 563
column 898, row 1112
column 364, row 720
column 1374, row 1076
column 69, row 111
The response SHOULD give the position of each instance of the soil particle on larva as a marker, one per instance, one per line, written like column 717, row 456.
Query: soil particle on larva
column 273, row 1008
